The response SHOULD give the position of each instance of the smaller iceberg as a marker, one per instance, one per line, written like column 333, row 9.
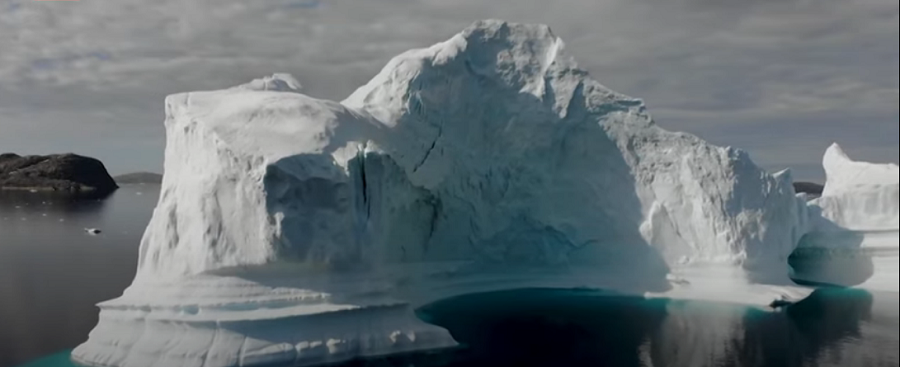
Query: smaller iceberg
column 859, row 196
column 853, row 239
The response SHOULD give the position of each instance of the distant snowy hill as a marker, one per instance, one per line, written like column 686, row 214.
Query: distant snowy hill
column 297, row 230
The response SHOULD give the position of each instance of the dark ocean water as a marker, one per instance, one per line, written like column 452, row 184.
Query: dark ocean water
column 833, row 327
column 52, row 273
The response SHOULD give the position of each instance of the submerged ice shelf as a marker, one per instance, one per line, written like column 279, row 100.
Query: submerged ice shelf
column 296, row 230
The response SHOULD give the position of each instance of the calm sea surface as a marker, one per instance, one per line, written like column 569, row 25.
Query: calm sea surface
column 52, row 273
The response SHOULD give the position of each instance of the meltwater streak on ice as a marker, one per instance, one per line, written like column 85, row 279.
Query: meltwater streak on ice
column 296, row 230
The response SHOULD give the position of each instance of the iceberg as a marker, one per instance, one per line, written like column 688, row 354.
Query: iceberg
column 853, row 239
column 299, row 231
column 859, row 196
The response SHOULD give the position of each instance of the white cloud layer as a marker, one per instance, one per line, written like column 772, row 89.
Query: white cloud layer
column 781, row 79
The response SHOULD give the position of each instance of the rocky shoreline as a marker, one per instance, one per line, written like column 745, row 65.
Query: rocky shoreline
column 62, row 173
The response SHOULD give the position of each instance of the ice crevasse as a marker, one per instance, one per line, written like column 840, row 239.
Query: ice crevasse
column 297, row 230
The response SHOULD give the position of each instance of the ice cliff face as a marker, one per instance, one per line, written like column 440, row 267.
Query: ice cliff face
column 297, row 230
column 491, row 146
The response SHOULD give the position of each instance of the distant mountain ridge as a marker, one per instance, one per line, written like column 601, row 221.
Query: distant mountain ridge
column 67, row 173
column 138, row 178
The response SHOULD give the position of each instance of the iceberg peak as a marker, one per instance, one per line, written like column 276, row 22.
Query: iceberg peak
column 279, row 82
column 522, row 66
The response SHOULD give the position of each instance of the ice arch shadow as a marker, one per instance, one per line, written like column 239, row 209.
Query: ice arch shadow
column 831, row 256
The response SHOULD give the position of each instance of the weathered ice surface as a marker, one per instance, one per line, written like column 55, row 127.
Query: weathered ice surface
column 68, row 173
column 293, row 229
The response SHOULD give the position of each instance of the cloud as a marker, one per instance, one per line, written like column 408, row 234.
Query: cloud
column 304, row 4
column 778, row 78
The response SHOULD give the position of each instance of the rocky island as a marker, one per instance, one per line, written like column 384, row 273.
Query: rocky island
column 64, row 173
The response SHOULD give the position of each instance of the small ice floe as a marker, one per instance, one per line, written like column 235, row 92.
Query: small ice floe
column 139, row 193
column 62, row 219
column 92, row 231
column 33, row 191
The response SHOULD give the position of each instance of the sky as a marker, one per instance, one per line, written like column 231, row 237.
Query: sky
column 781, row 79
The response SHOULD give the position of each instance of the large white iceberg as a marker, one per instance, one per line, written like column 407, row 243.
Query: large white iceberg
column 297, row 230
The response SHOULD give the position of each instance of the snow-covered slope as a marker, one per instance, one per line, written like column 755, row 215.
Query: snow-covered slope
column 489, row 161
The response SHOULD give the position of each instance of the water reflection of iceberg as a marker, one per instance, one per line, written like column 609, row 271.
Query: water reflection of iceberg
column 565, row 328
